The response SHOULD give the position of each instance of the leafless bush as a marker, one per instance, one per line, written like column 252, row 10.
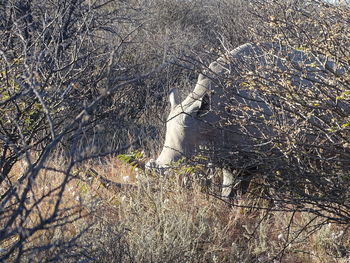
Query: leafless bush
column 82, row 79
column 87, row 78
column 58, row 72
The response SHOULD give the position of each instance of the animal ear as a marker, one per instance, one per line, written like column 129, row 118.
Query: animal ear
column 174, row 98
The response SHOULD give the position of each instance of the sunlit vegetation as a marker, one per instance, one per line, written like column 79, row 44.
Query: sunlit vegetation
column 83, row 99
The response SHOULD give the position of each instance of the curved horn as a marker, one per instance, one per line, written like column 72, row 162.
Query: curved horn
column 202, row 87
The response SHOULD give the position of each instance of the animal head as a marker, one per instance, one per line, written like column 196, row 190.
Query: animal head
column 184, row 124
column 187, row 122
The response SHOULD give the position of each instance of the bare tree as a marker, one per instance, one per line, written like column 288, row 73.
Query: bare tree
column 60, row 64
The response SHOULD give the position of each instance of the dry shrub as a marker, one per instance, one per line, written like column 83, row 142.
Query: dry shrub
column 74, row 215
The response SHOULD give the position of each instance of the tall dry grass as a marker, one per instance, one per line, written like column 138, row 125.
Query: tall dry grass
column 155, row 219
column 159, row 220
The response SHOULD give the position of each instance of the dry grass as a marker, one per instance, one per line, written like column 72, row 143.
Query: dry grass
column 161, row 221
column 158, row 220
column 46, row 192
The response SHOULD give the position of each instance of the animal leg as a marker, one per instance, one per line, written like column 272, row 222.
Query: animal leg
column 234, row 183
column 227, row 184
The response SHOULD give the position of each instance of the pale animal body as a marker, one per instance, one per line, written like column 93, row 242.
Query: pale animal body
column 199, row 120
